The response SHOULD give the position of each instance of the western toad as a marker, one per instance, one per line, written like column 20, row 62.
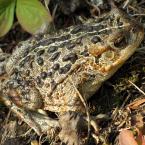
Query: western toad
column 52, row 72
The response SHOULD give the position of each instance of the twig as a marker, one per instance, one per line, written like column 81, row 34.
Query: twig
column 126, row 4
column 82, row 98
column 138, row 15
column 137, row 87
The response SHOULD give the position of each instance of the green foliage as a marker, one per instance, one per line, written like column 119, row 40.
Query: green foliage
column 7, row 8
column 31, row 14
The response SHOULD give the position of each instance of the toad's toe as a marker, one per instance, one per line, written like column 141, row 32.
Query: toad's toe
column 71, row 124
column 69, row 137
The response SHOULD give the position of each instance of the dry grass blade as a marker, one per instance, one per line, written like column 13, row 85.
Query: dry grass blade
column 137, row 87
column 47, row 3
column 85, row 105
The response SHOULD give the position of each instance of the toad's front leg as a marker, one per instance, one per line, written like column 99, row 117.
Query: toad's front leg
column 39, row 122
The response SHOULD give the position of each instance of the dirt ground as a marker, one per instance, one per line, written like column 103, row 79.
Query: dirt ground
column 122, row 97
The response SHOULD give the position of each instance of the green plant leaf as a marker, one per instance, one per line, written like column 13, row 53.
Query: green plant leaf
column 32, row 16
column 7, row 8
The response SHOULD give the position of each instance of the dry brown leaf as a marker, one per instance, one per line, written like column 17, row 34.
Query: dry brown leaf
column 126, row 138
column 135, row 104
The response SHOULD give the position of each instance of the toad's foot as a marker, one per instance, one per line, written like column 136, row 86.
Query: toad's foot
column 40, row 123
column 71, row 123
column 74, row 125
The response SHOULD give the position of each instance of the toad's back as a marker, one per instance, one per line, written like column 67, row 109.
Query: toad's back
column 59, row 67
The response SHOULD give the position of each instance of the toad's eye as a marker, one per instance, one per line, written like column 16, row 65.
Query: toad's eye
column 121, row 42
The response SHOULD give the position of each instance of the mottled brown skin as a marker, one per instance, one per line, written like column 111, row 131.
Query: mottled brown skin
column 51, row 72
